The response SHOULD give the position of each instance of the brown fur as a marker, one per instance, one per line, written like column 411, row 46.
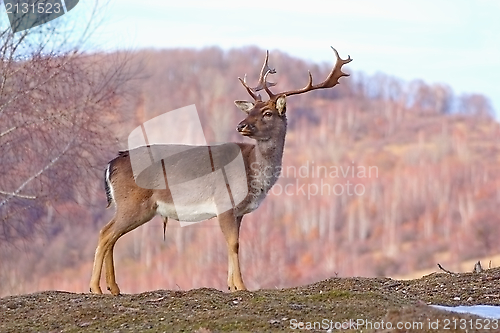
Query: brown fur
column 265, row 123
column 136, row 206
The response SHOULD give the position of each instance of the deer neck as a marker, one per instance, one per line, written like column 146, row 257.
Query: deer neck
column 269, row 156
column 270, row 152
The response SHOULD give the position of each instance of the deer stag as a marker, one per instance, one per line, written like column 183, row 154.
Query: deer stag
column 136, row 204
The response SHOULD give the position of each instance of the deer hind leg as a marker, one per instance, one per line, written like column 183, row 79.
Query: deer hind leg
column 110, row 270
column 230, row 227
column 100, row 251
column 128, row 223
column 117, row 227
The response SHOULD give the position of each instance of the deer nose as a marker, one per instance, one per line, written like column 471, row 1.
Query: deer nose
column 241, row 127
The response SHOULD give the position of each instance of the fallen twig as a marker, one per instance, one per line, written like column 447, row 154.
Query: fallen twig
column 445, row 270
column 156, row 300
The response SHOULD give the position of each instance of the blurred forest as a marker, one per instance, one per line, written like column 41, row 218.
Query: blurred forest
column 431, row 195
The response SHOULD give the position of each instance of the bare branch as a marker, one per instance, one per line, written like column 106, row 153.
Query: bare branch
column 22, row 196
column 36, row 175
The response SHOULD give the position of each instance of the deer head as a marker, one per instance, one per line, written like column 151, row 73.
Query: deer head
column 268, row 117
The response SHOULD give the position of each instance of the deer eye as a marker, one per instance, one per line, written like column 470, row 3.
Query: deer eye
column 268, row 114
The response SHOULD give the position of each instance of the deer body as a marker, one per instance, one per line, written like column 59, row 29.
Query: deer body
column 259, row 160
column 137, row 202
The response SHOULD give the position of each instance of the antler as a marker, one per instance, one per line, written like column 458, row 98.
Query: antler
column 263, row 84
column 331, row 81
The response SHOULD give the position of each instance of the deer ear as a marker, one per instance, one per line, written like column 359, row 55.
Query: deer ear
column 244, row 106
column 281, row 105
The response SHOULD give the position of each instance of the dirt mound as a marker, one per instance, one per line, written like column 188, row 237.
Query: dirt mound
column 367, row 304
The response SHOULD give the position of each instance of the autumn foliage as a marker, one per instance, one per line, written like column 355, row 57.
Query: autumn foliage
column 417, row 166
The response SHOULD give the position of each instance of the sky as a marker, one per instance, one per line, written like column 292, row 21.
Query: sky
column 456, row 42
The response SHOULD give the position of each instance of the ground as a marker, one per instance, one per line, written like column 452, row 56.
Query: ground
column 338, row 300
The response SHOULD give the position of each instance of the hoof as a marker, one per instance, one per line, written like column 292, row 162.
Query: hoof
column 114, row 290
column 95, row 291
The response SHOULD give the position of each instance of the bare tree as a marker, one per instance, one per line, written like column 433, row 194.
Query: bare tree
column 56, row 104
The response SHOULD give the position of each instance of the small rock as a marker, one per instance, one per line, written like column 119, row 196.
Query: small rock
column 296, row 306
column 274, row 321
column 456, row 298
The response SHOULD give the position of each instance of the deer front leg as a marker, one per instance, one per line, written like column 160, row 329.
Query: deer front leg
column 230, row 226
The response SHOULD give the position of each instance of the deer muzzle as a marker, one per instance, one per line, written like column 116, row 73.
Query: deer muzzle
column 245, row 128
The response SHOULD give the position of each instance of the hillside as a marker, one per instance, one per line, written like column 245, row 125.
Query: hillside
column 368, row 304
column 424, row 162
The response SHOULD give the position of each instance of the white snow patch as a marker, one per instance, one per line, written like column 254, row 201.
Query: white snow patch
column 485, row 311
